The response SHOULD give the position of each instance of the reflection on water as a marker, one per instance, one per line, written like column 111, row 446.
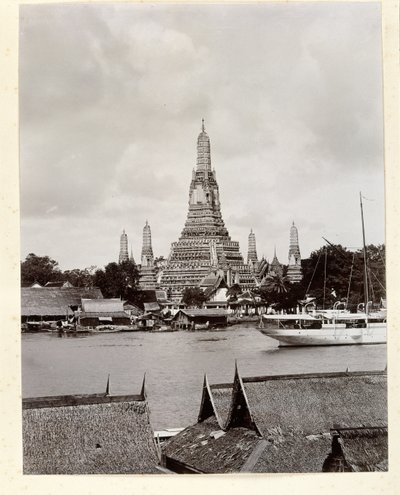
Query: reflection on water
column 174, row 363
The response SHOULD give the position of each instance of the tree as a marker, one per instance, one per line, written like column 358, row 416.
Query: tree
column 41, row 269
column 274, row 290
column 117, row 279
column 79, row 278
column 233, row 292
column 194, row 297
column 332, row 273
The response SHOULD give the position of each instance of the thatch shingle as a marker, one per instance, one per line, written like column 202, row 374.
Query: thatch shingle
column 293, row 413
column 206, row 448
column 49, row 301
column 103, row 436
column 358, row 449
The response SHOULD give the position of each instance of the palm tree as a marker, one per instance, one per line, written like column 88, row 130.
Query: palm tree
column 276, row 283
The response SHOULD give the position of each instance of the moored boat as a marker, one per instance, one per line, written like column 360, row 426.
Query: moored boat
column 342, row 329
column 330, row 327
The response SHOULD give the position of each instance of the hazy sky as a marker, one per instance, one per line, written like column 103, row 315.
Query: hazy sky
column 111, row 102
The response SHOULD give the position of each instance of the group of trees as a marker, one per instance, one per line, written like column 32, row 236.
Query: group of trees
column 330, row 274
column 115, row 280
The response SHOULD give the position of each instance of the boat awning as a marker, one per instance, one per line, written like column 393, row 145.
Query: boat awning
column 290, row 317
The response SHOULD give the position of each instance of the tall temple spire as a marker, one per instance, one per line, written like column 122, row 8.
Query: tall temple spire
column 275, row 266
column 294, row 272
column 203, row 151
column 252, row 250
column 147, row 257
column 123, row 248
column 204, row 242
column 147, row 272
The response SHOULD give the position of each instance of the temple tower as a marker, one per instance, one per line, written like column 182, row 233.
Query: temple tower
column 252, row 250
column 147, row 258
column 147, row 271
column 123, row 248
column 204, row 239
column 275, row 267
column 294, row 272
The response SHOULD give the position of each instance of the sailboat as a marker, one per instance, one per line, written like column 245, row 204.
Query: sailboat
column 330, row 327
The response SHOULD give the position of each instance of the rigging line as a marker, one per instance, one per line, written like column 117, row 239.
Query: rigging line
column 377, row 279
column 312, row 277
column 351, row 274
column 326, row 258
column 371, row 285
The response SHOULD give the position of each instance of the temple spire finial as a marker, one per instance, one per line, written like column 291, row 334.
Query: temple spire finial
column 202, row 125
column 108, row 385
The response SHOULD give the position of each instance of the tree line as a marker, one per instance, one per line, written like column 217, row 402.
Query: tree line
column 332, row 273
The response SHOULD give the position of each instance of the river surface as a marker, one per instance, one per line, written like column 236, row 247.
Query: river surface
column 174, row 364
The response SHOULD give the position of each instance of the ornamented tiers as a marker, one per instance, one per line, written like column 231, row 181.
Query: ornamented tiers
column 204, row 243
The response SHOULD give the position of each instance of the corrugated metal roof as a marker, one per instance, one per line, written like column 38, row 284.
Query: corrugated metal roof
column 204, row 312
column 104, row 314
column 102, row 305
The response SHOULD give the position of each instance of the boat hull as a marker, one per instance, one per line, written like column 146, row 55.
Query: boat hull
column 328, row 335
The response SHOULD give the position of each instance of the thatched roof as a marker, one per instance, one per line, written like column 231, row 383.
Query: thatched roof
column 48, row 301
column 315, row 403
column 151, row 306
column 98, row 434
column 295, row 413
column 222, row 396
column 102, row 305
column 208, row 449
column 363, row 449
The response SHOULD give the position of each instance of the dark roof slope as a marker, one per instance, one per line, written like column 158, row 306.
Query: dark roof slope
column 47, row 301
column 208, row 449
column 364, row 449
column 295, row 414
column 92, row 434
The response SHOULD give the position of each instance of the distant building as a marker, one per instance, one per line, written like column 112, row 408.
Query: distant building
column 215, row 290
column 186, row 318
column 147, row 271
column 252, row 249
column 204, row 244
column 294, row 272
column 240, row 429
column 59, row 284
column 88, row 434
column 123, row 248
column 103, row 312
column 275, row 267
column 53, row 303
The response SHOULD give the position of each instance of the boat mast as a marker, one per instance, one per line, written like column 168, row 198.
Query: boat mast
column 365, row 259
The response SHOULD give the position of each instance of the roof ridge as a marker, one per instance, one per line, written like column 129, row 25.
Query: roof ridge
column 332, row 374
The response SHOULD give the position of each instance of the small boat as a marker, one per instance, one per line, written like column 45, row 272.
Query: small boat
column 201, row 326
column 105, row 329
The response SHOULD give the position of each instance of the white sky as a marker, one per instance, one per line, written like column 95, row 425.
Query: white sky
column 111, row 101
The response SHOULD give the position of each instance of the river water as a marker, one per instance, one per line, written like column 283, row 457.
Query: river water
column 174, row 364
